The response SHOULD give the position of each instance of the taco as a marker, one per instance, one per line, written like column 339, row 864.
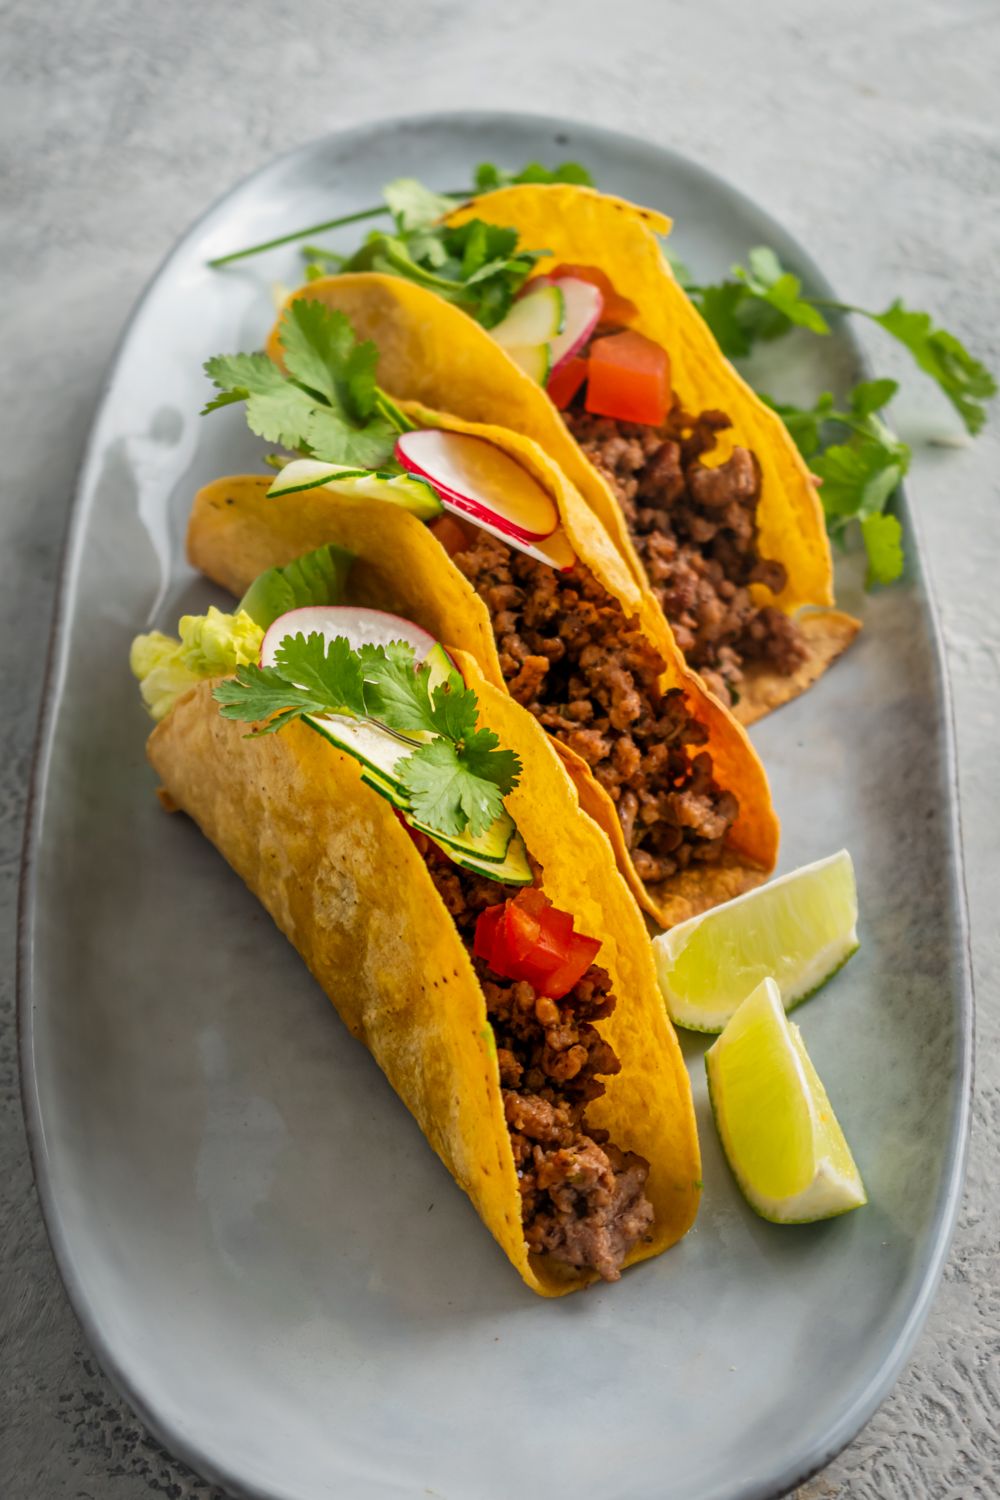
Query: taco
column 695, row 478
column 492, row 961
column 560, row 621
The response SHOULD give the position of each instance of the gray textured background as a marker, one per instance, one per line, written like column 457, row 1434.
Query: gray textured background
column 872, row 132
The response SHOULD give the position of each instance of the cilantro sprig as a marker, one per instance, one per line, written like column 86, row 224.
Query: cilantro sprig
column 326, row 403
column 860, row 462
column 476, row 265
column 764, row 301
column 487, row 177
column 455, row 780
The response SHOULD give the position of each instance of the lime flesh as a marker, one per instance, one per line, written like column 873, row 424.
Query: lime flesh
column 777, row 1127
column 798, row 930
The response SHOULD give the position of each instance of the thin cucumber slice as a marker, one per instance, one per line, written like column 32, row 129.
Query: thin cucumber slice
column 515, row 869
column 405, row 490
column 489, row 848
column 375, row 751
column 534, row 359
column 534, row 319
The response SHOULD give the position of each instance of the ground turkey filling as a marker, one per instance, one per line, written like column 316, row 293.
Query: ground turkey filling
column 591, row 678
column 582, row 1198
column 695, row 529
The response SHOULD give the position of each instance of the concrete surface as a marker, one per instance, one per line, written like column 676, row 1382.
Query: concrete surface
column 873, row 132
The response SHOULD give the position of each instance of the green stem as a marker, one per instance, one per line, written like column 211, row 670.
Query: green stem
column 300, row 234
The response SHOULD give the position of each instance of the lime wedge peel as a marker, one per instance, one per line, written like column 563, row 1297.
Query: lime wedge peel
column 798, row 930
column 781, row 1137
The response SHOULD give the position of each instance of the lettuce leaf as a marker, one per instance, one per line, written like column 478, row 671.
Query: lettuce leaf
column 210, row 645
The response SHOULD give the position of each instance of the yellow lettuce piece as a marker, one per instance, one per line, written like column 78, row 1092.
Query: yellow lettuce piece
column 209, row 645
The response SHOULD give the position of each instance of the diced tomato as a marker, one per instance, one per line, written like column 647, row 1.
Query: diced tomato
column 532, row 899
column 565, row 381
column 528, row 938
column 582, row 952
column 486, row 929
column 517, row 936
column 555, row 935
column 453, row 536
column 616, row 309
column 629, row 378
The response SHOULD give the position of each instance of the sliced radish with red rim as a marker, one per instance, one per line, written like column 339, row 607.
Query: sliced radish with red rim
column 361, row 627
column 481, row 482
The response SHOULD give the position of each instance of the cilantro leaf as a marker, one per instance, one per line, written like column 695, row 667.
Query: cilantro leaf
column 315, row 341
column 255, row 693
column 805, row 423
column 327, row 405
column 767, row 280
column 331, row 671
column 860, row 463
column 488, row 176
column 446, row 793
column 869, row 396
column 765, row 301
column 858, row 477
column 277, row 409
column 396, row 688
column 882, row 536
column 456, row 780
column 414, row 206
column 942, row 356
column 723, row 308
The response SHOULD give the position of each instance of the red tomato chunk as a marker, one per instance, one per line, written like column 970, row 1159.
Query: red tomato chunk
column 528, row 938
column 629, row 379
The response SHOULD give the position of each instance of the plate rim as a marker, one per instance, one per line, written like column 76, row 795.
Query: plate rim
column 844, row 1426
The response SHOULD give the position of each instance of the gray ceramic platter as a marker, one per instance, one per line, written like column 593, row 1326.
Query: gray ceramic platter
column 265, row 1253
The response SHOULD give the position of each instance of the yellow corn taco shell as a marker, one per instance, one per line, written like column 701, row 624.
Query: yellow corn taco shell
column 340, row 876
column 235, row 532
column 431, row 351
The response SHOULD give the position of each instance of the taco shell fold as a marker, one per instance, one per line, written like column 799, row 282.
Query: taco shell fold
column 343, row 881
column 236, row 531
column 432, row 352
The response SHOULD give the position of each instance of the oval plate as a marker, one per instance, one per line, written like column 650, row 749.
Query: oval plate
column 265, row 1253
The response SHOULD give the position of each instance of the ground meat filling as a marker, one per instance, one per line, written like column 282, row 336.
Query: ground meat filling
column 695, row 529
column 591, row 678
column 582, row 1198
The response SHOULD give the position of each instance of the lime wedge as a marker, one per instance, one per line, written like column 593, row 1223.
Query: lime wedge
column 798, row 930
column 780, row 1135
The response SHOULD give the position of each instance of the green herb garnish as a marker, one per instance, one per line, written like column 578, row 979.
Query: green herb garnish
column 327, row 405
column 477, row 266
column 456, row 780
column 763, row 301
column 860, row 461
column 487, row 177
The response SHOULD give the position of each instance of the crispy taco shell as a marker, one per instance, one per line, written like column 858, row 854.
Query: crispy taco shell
column 431, row 351
column 342, row 879
column 235, row 532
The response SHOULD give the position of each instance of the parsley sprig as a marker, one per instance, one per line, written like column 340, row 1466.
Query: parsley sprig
column 455, row 780
column 326, row 403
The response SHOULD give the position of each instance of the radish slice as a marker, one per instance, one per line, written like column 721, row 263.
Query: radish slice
column 534, row 319
column 477, row 479
column 362, row 627
column 584, row 305
column 554, row 550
